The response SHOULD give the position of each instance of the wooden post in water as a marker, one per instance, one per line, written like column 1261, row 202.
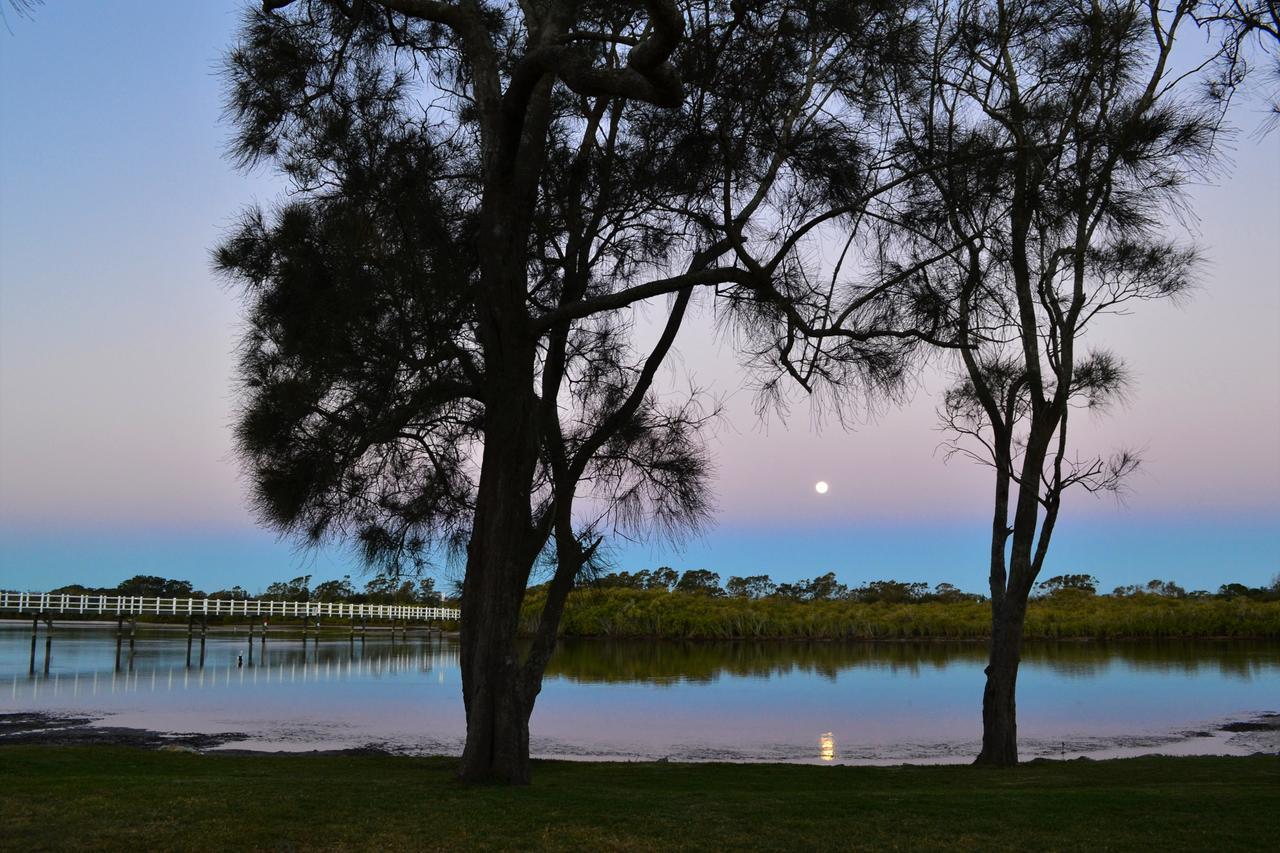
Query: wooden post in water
column 119, row 639
column 251, row 642
column 133, row 634
column 204, row 630
column 48, row 641
column 191, row 628
column 35, row 623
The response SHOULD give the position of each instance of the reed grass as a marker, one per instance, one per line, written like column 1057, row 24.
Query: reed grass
column 637, row 613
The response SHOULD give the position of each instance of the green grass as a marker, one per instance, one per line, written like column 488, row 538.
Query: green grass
column 623, row 613
column 122, row 798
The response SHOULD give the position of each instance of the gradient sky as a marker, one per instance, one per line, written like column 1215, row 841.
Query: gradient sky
column 116, row 342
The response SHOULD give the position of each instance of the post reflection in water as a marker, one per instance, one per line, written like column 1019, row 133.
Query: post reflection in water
column 827, row 746
column 280, row 666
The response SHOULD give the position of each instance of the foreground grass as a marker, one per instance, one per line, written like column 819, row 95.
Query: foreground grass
column 117, row 797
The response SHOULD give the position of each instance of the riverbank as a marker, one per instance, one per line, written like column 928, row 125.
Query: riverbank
column 103, row 797
column 658, row 614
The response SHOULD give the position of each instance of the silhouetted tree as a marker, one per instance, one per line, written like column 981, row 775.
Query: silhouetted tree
column 151, row 586
column 949, row 593
column 825, row 587
column 663, row 577
column 892, row 592
column 438, row 354
column 298, row 589
column 1078, row 583
column 334, row 590
column 753, row 586
column 700, row 582
column 1082, row 136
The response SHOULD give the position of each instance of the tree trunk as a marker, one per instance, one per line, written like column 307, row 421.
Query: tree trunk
column 500, row 557
column 504, row 545
column 497, row 747
column 999, row 707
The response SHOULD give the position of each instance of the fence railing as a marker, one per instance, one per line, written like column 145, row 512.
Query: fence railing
column 135, row 605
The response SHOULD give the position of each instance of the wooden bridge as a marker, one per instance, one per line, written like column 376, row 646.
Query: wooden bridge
column 46, row 606
column 49, row 604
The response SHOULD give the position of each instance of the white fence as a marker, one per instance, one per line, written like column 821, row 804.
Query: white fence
column 132, row 605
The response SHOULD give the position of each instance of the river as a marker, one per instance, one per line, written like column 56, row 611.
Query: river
column 744, row 701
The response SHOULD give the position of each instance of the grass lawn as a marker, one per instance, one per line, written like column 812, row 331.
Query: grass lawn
column 125, row 798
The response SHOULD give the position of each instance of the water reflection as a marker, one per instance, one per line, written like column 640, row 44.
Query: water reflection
column 750, row 701
column 827, row 746
column 674, row 662
column 275, row 666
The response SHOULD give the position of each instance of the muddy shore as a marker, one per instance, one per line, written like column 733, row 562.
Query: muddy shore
column 1259, row 735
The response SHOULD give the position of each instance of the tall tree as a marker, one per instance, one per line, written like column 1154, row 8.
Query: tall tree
column 1086, row 133
column 438, row 351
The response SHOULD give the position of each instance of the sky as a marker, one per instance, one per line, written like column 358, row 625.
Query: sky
column 116, row 360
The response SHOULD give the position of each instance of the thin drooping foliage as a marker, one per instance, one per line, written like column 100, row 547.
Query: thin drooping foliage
column 1248, row 32
column 1088, row 102
column 439, row 357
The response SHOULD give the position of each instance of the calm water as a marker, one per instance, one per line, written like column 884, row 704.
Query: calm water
column 690, row 701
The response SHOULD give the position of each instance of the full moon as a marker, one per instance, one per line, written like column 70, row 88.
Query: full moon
column 821, row 487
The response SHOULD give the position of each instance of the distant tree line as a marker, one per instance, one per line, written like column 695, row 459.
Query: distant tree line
column 827, row 588
column 380, row 589
column 387, row 589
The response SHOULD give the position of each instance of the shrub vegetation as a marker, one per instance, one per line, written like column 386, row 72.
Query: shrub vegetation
column 626, row 605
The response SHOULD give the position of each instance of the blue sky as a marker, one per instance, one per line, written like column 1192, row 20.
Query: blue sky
column 116, row 357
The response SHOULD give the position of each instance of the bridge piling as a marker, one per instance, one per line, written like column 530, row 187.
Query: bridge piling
column 204, row 631
column 133, row 635
column 119, row 638
column 191, row 629
column 48, row 642
column 35, row 623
